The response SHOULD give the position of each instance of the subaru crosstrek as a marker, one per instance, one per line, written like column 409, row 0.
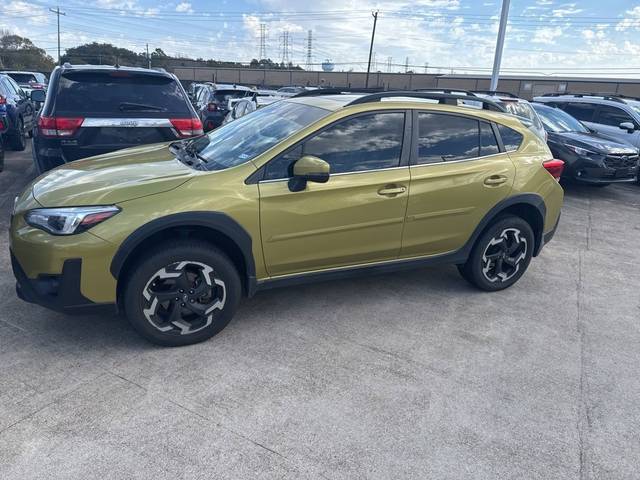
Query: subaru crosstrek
column 315, row 187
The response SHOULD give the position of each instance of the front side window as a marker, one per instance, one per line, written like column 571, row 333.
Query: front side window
column 582, row 111
column 444, row 138
column 362, row 143
column 612, row 116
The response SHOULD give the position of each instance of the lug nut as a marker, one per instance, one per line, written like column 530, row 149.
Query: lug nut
column 182, row 305
column 191, row 292
column 192, row 300
column 181, row 290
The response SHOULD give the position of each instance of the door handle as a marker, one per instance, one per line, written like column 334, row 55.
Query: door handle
column 392, row 190
column 494, row 180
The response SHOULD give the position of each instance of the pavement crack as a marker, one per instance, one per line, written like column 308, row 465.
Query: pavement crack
column 583, row 423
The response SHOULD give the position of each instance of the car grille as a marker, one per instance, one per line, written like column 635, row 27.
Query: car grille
column 621, row 161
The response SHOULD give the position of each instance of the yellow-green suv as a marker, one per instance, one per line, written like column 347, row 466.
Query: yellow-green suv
column 315, row 187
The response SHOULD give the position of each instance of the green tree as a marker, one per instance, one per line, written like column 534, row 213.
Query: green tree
column 19, row 53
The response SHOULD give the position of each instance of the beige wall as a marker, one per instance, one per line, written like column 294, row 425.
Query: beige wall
column 524, row 87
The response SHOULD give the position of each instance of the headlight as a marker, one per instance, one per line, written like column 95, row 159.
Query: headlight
column 69, row 220
column 583, row 152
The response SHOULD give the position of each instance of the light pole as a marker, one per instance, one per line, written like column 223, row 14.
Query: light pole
column 499, row 45
column 373, row 35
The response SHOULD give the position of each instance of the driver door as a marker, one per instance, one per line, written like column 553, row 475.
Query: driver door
column 354, row 218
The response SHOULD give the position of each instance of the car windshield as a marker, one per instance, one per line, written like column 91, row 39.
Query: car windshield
column 519, row 109
column 555, row 120
column 634, row 104
column 246, row 138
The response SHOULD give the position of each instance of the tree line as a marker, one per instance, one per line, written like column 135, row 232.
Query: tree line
column 19, row 53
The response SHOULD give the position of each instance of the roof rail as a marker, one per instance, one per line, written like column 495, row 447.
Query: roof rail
column 442, row 98
column 335, row 91
column 604, row 96
column 496, row 93
column 450, row 91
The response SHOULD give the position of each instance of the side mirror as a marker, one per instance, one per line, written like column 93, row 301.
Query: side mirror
column 308, row 169
column 628, row 126
column 37, row 95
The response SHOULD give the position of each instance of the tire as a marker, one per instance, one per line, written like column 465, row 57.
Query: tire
column 1, row 154
column 18, row 142
column 191, row 270
column 501, row 255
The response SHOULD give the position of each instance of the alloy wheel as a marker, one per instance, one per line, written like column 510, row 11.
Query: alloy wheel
column 503, row 255
column 182, row 297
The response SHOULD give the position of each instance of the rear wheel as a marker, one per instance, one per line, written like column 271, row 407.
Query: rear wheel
column 18, row 141
column 182, row 293
column 501, row 255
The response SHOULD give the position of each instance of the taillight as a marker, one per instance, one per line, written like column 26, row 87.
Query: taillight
column 212, row 107
column 187, row 127
column 554, row 167
column 2, row 100
column 59, row 126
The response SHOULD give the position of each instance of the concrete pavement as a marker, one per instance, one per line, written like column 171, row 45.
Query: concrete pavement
column 408, row 375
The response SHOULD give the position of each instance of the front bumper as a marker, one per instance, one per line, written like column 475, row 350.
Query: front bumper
column 588, row 171
column 59, row 292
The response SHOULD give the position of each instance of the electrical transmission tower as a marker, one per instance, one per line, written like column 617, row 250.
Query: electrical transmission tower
column 263, row 41
column 309, row 50
column 284, row 42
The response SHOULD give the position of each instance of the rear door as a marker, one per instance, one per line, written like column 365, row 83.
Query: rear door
column 117, row 109
column 458, row 173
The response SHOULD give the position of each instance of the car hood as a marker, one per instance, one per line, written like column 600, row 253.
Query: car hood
column 111, row 178
column 595, row 142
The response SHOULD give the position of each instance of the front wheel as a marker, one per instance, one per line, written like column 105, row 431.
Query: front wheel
column 501, row 255
column 182, row 293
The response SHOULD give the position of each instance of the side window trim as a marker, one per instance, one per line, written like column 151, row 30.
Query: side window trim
column 416, row 137
column 258, row 176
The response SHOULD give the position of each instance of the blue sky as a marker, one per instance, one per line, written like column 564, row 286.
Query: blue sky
column 592, row 37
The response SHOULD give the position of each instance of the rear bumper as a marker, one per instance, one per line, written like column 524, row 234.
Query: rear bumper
column 57, row 292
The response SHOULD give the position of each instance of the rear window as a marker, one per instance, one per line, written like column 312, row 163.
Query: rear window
column 510, row 138
column 23, row 77
column 225, row 95
column 119, row 93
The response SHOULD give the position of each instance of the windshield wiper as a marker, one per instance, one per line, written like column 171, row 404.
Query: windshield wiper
column 191, row 152
column 126, row 106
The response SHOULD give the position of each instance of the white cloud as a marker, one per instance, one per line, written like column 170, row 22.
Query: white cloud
column 547, row 35
column 632, row 20
column 184, row 7
column 35, row 14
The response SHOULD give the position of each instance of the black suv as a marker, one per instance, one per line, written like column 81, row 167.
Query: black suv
column 90, row 110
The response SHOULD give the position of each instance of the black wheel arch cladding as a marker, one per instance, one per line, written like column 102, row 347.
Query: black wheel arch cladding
column 215, row 222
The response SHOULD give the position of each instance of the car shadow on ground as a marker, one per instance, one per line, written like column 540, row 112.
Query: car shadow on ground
column 295, row 304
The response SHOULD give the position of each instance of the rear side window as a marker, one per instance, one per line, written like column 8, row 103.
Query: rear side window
column 612, row 116
column 443, row 138
column 119, row 92
column 510, row 138
column 582, row 111
column 488, row 143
